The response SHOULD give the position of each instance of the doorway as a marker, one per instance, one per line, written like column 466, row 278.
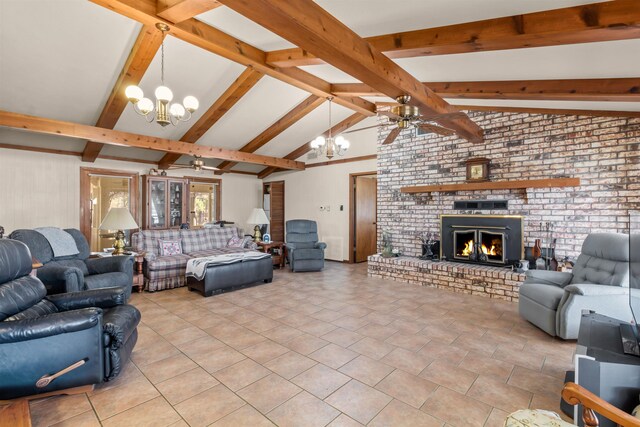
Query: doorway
column 204, row 200
column 363, row 216
column 101, row 190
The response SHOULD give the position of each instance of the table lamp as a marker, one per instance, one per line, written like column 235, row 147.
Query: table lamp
column 118, row 219
column 257, row 217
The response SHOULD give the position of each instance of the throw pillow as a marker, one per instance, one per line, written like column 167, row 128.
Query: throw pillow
column 246, row 240
column 235, row 242
column 170, row 247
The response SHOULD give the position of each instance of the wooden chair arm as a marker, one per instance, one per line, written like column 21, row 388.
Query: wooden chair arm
column 576, row 395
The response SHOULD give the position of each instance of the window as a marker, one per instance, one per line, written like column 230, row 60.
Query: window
column 204, row 202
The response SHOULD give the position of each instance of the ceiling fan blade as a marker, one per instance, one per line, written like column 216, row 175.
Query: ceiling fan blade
column 390, row 115
column 392, row 136
column 210, row 168
column 179, row 167
column 435, row 129
column 368, row 127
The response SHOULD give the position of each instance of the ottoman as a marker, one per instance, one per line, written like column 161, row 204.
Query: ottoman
column 223, row 276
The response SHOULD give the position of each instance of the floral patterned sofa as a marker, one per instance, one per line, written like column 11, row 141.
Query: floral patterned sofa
column 167, row 272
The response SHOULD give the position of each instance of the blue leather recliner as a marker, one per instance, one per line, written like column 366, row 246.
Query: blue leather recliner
column 41, row 335
column 304, row 251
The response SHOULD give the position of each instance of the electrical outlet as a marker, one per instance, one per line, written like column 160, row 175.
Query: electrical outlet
column 327, row 208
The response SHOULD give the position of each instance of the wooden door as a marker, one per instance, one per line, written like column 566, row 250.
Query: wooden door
column 365, row 217
column 276, row 222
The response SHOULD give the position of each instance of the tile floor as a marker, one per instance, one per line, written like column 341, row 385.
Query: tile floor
column 334, row 348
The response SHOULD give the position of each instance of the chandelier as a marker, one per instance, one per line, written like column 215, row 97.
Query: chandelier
column 163, row 114
column 330, row 146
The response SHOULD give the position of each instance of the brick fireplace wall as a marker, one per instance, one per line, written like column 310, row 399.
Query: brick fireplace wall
column 602, row 151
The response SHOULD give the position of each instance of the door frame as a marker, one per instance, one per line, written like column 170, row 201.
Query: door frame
column 352, row 211
column 85, row 193
column 218, row 191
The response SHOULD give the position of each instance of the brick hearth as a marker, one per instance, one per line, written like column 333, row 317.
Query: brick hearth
column 493, row 282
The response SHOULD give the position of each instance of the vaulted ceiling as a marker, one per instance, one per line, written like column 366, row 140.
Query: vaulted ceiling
column 61, row 60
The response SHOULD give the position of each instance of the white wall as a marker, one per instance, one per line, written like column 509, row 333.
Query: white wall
column 305, row 191
column 40, row 189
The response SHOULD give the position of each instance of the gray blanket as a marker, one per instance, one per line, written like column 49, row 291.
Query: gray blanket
column 61, row 242
column 197, row 267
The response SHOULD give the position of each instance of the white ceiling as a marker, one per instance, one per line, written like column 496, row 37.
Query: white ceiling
column 64, row 68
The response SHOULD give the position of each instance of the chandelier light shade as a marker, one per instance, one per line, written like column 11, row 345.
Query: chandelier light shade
column 161, row 112
column 330, row 146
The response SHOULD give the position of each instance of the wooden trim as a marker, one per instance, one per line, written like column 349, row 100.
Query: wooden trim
column 607, row 21
column 340, row 161
column 113, row 137
column 85, row 193
column 352, row 213
column 285, row 122
column 614, row 90
column 180, row 10
column 72, row 153
column 350, row 121
column 218, row 190
column 243, row 84
column 222, row 44
column 494, row 185
column 140, row 57
column 555, row 111
column 306, row 24
column 575, row 394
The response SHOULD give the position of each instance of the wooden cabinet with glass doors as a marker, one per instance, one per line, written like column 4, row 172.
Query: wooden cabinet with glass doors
column 164, row 202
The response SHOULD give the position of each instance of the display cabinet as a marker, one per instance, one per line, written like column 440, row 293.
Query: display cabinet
column 164, row 202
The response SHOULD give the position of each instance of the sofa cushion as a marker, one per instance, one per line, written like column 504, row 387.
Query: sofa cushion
column 545, row 295
column 216, row 251
column 168, row 262
column 37, row 243
column 305, row 253
column 194, row 240
column 218, row 237
column 81, row 242
column 170, row 247
column 20, row 294
column 150, row 239
column 77, row 263
column 107, row 280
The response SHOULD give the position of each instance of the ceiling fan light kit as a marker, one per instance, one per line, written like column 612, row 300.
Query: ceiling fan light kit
column 330, row 146
column 165, row 114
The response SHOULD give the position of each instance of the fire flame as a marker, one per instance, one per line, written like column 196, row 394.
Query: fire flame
column 468, row 249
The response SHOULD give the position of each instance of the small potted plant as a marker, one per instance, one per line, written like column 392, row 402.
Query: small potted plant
column 428, row 239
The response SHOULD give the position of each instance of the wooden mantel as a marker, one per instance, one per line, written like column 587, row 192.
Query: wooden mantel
column 500, row 185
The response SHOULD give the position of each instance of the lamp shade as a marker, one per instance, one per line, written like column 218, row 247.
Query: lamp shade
column 258, row 217
column 118, row 219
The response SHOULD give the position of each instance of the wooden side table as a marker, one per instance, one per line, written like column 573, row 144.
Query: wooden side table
column 279, row 257
column 138, row 275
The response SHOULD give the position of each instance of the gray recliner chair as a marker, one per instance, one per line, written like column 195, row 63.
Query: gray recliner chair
column 553, row 301
column 304, row 251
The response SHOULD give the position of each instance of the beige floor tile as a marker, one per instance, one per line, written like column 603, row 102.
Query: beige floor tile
column 366, row 370
column 305, row 344
column 185, row 335
column 342, row 337
column 269, row 392
column 303, row 409
column 290, row 364
column 327, row 315
column 496, row 418
column 351, row 323
column 399, row 414
column 436, row 350
column 317, row 327
column 535, row 381
column 282, row 333
column 159, row 350
column 408, row 361
column 262, row 324
column 220, row 359
column 548, row 402
column 200, row 347
column 493, row 391
column 344, row 421
column 167, row 368
column 518, row 357
column 85, row 419
column 245, row 416
column 320, row 380
column 373, row 348
column 451, row 376
column 487, row 366
column 126, row 396
column 241, row 374
column 45, row 412
column 410, row 389
column 209, row 406
column 154, row 413
column 408, row 342
column 456, row 409
column 333, row 355
column 265, row 351
column 376, row 331
column 186, row 385
column 359, row 401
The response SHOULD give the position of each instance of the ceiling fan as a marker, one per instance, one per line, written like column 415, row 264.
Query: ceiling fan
column 406, row 116
column 197, row 164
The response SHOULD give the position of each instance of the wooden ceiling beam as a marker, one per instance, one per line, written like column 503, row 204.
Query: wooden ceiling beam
column 282, row 124
column 243, row 84
column 141, row 55
column 555, row 111
column 213, row 40
column 181, row 10
column 127, row 139
column 307, row 25
column 607, row 21
column 614, row 90
column 337, row 129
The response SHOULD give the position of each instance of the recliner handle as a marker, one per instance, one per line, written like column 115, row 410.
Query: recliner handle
column 46, row 379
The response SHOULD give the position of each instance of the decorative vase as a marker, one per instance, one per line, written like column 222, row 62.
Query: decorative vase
column 536, row 251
